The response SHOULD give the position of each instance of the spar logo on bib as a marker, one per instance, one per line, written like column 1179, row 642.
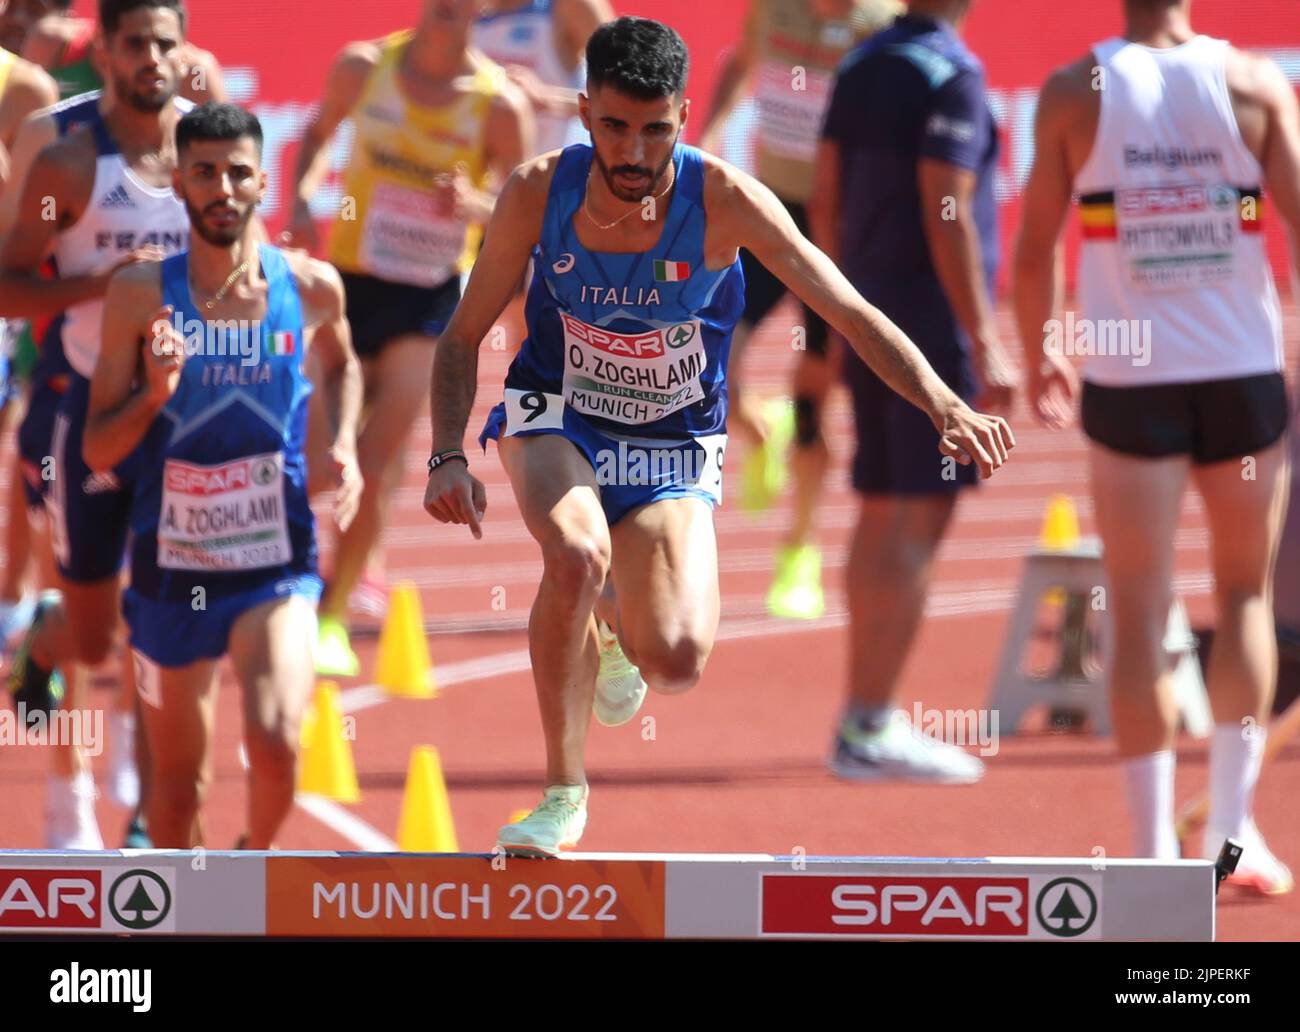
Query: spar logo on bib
column 212, row 480
column 263, row 471
column 1176, row 200
column 680, row 335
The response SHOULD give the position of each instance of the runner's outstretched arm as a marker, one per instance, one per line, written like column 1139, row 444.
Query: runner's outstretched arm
column 343, row 89
column 733, row 78
column 29, row 89
column 453, row 495
column 341, row 383
column 1282, row 153
column 37, row 132
column 1049, row 379
column 744, row 213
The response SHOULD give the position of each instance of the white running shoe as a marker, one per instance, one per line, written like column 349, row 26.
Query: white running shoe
column 619, row 687
column 1258, row 868
column 558, row 823
column 901, row 752
column 123, row 778
column 70, row 813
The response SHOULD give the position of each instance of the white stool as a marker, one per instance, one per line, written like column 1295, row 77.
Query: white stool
column 1078, row 572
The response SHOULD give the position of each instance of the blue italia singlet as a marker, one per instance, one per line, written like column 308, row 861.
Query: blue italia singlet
column 221, row 497
column 634, row 344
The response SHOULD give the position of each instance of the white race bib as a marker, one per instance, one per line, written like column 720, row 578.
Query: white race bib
column 1178, row 237
column 791, row 105
column 225, row 517
column 404, row 240
column 715, row 450
column 632, row 378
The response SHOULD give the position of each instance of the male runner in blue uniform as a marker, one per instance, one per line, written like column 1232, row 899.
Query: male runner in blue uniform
column 636, row 291
column 223, row 554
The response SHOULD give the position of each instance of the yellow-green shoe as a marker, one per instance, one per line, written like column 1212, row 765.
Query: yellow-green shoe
column 796, row 592
column 620, row 691
column 334, row 655
column 763, row 473
column 558, row 823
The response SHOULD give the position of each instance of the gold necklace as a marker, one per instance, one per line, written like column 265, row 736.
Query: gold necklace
column 586, row 200
column 225, row 287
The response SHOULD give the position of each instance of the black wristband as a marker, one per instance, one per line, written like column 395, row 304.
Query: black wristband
column 438, row 458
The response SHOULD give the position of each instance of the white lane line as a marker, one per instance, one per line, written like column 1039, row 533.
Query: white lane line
column 345, row 823
column 500, row 529
column 745, row 560
column 988, row 597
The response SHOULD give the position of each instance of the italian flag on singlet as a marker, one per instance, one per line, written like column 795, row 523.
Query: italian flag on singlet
column 282, row 343
column 672, row 272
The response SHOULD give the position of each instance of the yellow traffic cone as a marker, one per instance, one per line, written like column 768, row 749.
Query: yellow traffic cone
column 327, row 768
column 1060, row 524
column 426, row 825
column 403, row 666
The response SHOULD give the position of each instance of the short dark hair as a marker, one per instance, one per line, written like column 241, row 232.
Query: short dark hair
column 638, row 56
column 213, row 121
column 111, row 11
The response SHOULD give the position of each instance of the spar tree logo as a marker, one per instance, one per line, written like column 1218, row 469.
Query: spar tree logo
column 139, row 899
column 1066, row 907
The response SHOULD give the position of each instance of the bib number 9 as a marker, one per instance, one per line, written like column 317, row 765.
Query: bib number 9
column 533, row 410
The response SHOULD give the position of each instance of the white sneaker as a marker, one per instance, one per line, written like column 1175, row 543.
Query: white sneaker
column 123, row 778
column 558, row 823
column 70, row 813
column 1258, row 868
column 619, row 687
column 901, row 752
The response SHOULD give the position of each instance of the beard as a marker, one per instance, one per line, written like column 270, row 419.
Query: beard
column 223, row 236
column 142, row 102
column 634, row 194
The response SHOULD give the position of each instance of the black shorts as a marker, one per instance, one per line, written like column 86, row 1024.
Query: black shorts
column 380, row 311
column 1210, row 420
column 763, row 290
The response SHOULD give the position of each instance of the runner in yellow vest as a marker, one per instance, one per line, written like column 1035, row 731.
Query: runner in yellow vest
column 788, row 56
column 439, row 128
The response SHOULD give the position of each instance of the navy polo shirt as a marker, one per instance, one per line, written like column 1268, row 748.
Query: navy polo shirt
column 910, row 92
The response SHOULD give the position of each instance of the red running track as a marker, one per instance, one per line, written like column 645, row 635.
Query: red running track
column 738, row 765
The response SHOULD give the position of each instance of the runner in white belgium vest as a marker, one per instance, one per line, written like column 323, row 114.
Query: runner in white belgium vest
column 1167, row 139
